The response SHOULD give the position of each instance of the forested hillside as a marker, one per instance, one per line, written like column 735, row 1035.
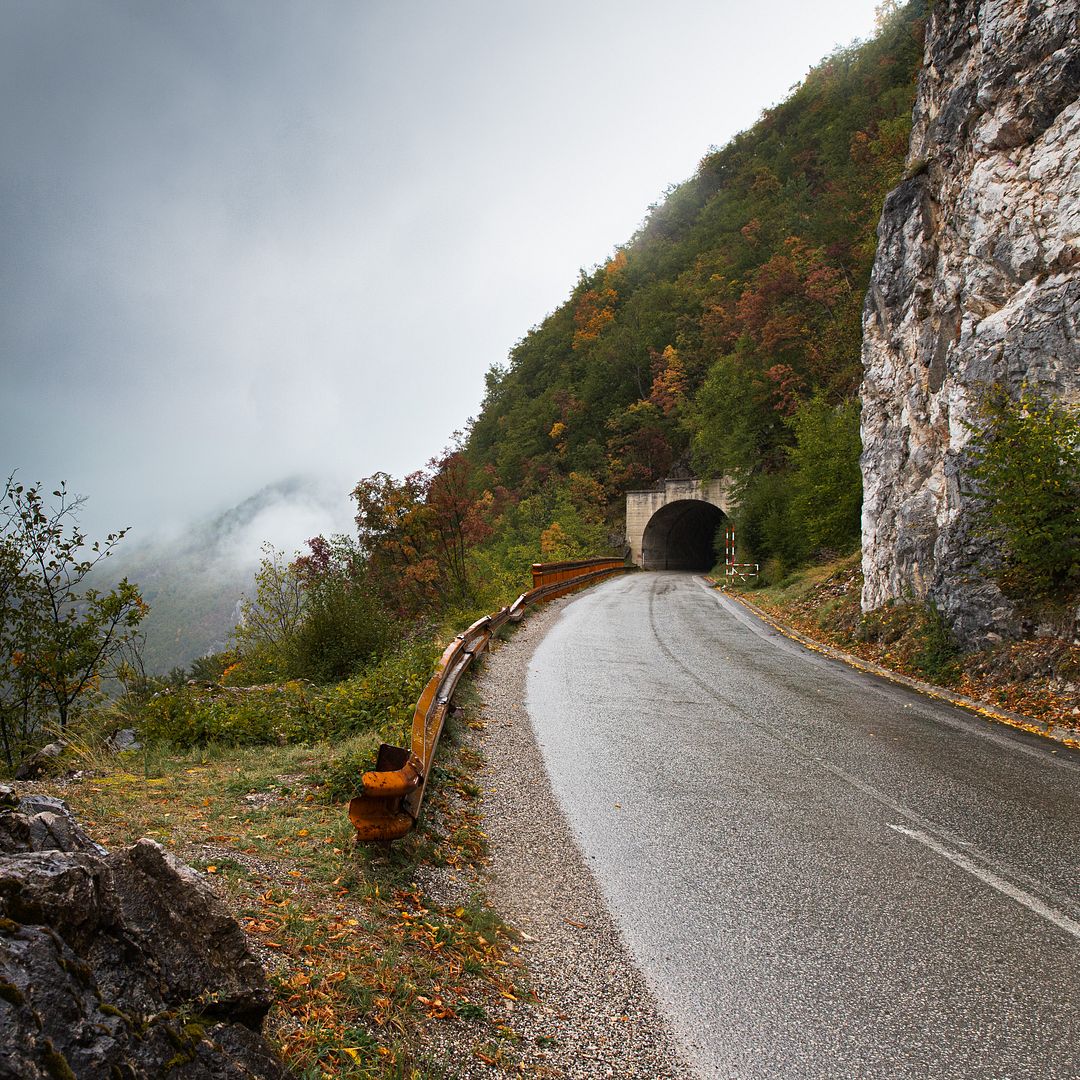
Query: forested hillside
column 725, row 334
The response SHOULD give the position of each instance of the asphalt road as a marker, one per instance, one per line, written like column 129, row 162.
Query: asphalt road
column 820, row 873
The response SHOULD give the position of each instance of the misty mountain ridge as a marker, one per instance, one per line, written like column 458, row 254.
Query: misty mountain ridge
column 194, row 579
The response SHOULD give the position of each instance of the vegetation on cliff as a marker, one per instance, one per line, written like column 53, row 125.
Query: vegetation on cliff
column 1026, row 474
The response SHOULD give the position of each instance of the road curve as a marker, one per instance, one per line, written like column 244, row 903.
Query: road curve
column 820, row 873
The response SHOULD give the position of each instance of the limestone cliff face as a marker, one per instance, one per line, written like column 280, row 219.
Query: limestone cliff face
column 977, row 280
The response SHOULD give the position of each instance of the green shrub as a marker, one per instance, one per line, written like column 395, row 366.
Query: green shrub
column 343, row 626
column 317, row 617
column 384, row 697
column 211, row 668
column 918, row 638
column 766, row 527
column 194, row 716
column 936, row 652
column 888, row 624
column 380, row 700
column 1026, row 473
column 338, row 773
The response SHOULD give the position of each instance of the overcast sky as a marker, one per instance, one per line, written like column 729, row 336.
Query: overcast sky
column 243, row 239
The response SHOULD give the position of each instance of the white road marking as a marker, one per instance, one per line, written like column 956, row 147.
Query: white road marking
column 1033, row 903
column 874, row 793
column 954, row 716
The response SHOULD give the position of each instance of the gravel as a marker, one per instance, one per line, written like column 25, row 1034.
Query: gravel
column 595, row 1016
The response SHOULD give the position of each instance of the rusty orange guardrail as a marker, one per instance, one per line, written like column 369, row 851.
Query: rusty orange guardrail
column 392, row 793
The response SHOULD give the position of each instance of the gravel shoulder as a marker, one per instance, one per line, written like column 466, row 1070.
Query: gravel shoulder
column 594, row 1015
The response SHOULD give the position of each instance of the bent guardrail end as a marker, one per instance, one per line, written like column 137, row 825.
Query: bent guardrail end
column 373, row 821
column 379, row 813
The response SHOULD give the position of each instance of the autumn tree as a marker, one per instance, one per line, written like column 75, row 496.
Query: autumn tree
column 344, row 623
column 59, row 635
column 417, row 533
column 669, row 385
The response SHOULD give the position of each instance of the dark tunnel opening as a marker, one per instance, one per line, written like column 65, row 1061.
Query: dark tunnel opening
column 680, row 536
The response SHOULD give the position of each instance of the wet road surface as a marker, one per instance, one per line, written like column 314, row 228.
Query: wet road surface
column 821, row 874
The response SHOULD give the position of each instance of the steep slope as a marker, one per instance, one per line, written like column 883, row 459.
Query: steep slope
column 977, row 282
column 732, row 313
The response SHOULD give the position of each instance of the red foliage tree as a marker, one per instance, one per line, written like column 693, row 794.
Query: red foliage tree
column 416, row 533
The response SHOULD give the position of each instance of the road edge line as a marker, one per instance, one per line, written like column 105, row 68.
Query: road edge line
column 1044, row 728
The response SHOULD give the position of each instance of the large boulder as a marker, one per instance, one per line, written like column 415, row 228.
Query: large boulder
column 118, row 965
column 41, row 762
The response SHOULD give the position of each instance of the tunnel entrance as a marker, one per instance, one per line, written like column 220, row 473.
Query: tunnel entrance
column 679, row 536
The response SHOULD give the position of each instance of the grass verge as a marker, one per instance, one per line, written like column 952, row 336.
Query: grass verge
column 365, row 962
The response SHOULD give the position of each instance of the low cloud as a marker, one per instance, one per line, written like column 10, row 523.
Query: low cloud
column 243, row 242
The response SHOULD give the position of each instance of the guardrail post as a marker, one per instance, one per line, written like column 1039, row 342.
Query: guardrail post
column 379, row 813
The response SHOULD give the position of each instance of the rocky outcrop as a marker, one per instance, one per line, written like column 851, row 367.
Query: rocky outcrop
column 977, row 281
column 118, row 965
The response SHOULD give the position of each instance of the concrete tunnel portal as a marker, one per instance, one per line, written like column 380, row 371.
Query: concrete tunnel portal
column 673, row 525
column 681, row 535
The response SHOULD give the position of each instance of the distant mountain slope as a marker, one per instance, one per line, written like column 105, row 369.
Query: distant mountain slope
column 193, row 581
